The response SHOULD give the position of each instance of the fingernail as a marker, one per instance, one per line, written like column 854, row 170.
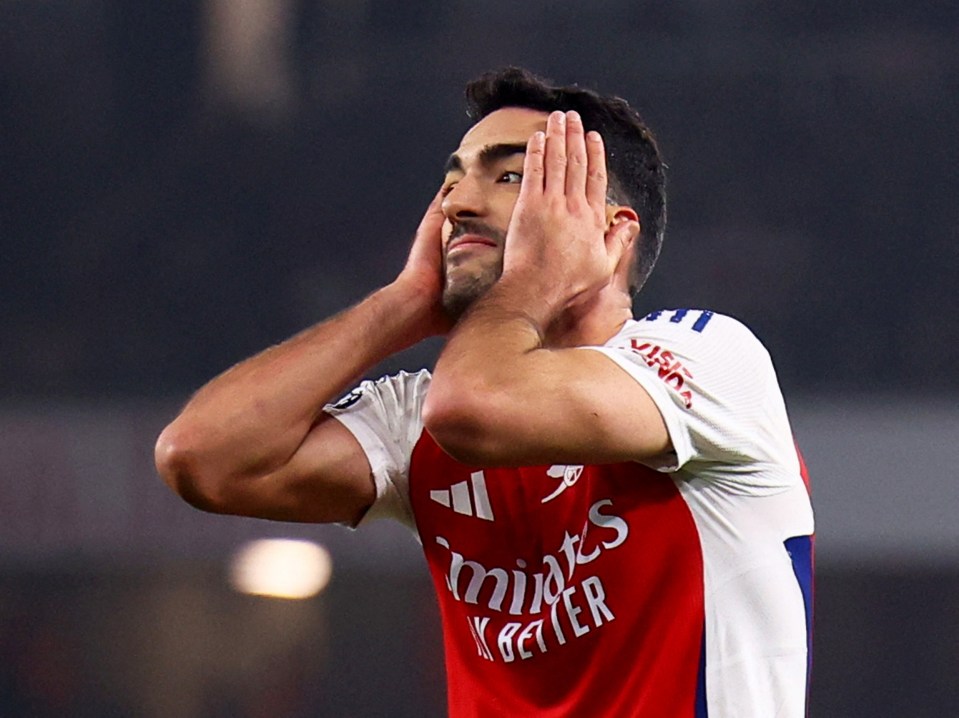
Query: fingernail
column 593, row 136
column 559, row 117
column 573, row 116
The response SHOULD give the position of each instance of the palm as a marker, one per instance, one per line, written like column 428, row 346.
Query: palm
column 424, row 268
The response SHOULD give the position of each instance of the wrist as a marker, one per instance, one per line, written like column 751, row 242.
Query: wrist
column 414, row 308
column 540, row 300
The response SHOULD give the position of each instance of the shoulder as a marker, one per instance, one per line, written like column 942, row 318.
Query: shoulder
column 385, row 417
column 398, row 389
column 691, row 324
column 694, row 333
column 714, row 379
column 702, row 359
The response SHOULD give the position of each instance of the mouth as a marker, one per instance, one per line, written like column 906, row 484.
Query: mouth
column 470, row 240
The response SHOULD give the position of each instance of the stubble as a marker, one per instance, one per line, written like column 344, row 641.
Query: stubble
column 465, row 282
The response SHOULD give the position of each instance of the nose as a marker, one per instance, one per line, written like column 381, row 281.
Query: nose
column 464, row 200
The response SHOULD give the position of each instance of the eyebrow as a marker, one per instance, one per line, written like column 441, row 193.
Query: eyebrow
column 488, row 156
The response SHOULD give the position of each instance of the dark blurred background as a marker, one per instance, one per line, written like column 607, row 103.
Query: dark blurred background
column 183, row 183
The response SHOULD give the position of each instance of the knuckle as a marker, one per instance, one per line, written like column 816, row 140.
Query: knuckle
column 597, row 175
column 556, row 205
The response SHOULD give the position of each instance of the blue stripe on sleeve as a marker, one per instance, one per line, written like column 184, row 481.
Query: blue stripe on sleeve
column 703, row 320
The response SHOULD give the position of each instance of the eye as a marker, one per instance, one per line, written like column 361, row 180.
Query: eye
column 447, row 189
column 511, row 177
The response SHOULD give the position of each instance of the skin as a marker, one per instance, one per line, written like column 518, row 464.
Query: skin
column 486, row 194
column 528, row 243
column 564, row 285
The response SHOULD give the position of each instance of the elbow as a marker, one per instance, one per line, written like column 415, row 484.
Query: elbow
column 179, row 463
column 462, row 424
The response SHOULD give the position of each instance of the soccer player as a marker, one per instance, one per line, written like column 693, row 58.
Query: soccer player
column 613, row 510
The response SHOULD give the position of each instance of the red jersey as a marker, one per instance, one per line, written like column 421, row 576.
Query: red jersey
column 679, row 590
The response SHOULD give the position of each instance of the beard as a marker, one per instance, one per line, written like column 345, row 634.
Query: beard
column 464, row 284
column 460, row 292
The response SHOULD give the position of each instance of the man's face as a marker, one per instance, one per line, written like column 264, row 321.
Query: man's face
column 481, row 187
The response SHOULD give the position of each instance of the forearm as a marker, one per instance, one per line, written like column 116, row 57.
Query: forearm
column 495, row 338
column 511, row 388
column 495, row 363
column 254, row 416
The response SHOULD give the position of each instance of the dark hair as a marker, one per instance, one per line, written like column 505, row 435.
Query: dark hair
column 637, row 173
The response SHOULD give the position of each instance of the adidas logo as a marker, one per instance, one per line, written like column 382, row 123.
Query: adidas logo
column 466, row 497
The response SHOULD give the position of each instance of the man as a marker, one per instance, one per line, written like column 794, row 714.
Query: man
column 651, row 554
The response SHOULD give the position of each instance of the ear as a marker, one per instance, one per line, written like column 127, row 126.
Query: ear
column 617, row 214
column 622, row 230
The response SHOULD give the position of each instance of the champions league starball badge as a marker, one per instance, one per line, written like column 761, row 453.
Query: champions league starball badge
column 350, row 399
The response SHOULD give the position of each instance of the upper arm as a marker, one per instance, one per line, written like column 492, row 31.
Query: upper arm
column 354, row 464
column 562, row 406
column 326, row 479
column 351, row 464
column 678, row 386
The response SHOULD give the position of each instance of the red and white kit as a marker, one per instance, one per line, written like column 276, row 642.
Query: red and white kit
column 674, row 590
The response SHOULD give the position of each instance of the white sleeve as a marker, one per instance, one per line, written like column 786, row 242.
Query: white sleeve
column 715, row 386
column 386, row 419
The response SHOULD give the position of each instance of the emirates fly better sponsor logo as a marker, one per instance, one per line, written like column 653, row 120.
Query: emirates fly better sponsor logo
column 554, row 602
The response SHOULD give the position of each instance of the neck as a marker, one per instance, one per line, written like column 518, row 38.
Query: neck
column 592, row 323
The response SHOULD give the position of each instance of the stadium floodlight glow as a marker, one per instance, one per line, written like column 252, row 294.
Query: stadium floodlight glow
column 281, row 568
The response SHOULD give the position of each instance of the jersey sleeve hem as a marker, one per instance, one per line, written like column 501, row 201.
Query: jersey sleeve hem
column 387, row 493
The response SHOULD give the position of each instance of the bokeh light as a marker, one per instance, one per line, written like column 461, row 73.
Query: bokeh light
column 281, row 568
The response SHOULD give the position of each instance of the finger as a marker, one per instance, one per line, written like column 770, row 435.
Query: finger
column 436, row 204
column 576, row 156
column 596, row 178
column 437, row 201
column 434, row 212
column 555, row 163
column 533, row 166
